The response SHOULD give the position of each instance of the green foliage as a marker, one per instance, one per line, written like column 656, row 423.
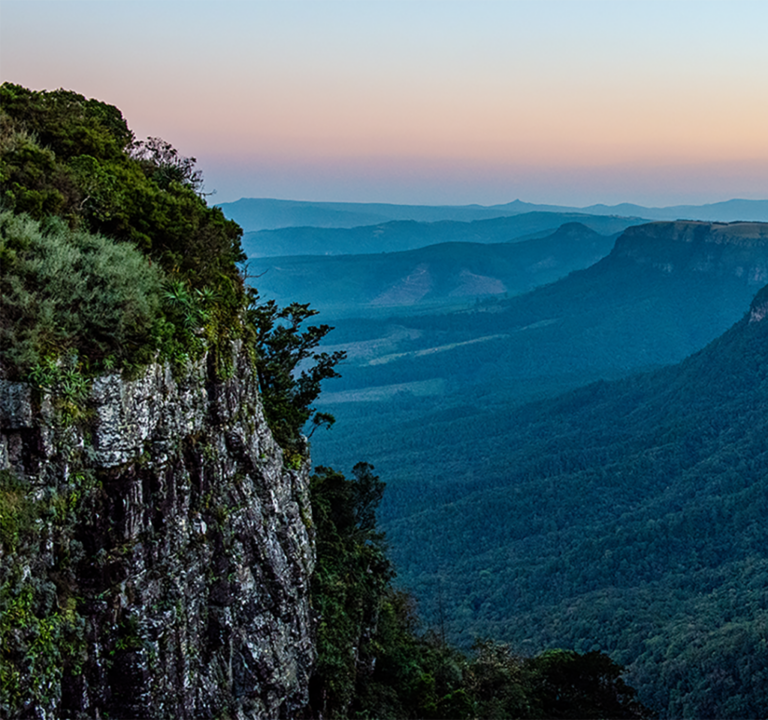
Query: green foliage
column 351, row 574
column 71, row 292
column 68, row 123
column 41, row 631
column 289, row 368
column 65, row 380
column 569, row 685
column 66, row 156
column 36, row 639
column 163, row 164
column 373, row 663
column 17, row 511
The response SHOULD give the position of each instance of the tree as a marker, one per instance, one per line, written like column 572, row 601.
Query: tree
column 289, row 368
column 570, row 685
column 351, row 575
column 164, row 165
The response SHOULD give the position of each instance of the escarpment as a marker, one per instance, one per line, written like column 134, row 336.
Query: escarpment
column 737, row 249
column 156, row 550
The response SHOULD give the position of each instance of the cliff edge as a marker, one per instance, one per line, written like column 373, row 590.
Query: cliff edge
column 156, row 552
column 737, row 249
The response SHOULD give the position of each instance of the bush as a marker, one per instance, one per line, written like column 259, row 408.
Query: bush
column 64, row 155
column 65, row 292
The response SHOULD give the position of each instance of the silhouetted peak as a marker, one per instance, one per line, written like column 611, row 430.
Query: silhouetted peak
column 574, row 229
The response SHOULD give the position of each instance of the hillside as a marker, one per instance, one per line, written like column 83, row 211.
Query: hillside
column 625, row 516
column 449, row 274
column 398, row 236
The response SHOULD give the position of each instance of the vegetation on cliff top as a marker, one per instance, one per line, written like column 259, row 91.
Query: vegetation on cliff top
column 110, row 258
column 114, row 254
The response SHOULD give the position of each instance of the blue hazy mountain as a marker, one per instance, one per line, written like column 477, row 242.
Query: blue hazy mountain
column 663, row 292
column 255, row 214
column 401, row 235
column 452, row 274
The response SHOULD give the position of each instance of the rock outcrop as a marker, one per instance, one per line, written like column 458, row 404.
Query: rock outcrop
column 156, row 551
column 738, row 249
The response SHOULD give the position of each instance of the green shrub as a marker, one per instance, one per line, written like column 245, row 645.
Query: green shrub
column 65, row 292
column 64, row 155
column 17, row 511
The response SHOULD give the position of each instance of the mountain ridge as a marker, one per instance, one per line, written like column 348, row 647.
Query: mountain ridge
column 401, row 235
column 255, row 214
column 651, row 301
column 442, row 275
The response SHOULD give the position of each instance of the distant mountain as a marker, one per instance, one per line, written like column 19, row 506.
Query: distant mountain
column 255, row 214
column 728, row 211
column 401, row 235
column 664, row 291
column 455, row 273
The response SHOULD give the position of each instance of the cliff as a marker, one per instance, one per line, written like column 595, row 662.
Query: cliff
column 156, row 552
column 738, row 249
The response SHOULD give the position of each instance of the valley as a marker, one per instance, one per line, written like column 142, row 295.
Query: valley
column 579, row 464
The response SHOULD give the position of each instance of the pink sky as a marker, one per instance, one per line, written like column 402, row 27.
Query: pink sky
column 424, row 101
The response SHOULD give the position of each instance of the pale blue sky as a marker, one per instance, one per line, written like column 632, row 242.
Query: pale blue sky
column 424, row 101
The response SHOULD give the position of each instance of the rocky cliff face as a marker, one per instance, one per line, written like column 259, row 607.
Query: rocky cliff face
column 737, row 249
column 156, row 552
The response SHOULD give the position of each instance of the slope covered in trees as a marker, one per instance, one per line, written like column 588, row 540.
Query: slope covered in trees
column 626, row 517
column 373, row 662
column 623, row 516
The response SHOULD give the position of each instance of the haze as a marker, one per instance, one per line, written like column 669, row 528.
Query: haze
column 443, row 102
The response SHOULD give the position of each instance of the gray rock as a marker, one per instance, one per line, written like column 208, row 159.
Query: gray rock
column 186, row 553
column 15, row 405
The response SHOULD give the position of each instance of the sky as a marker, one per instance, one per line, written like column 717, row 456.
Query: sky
column 424, row 101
